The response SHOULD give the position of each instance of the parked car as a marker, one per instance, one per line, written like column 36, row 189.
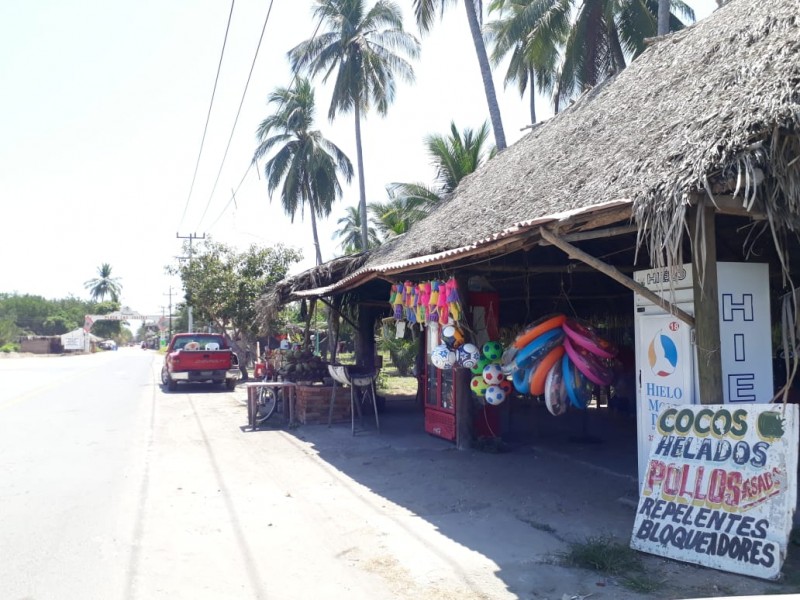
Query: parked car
column 200, row 357
column 107, row 345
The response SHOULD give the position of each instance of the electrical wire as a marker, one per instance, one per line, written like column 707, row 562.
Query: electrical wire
column 251, row 163
column 238, row 112
column 208, row 116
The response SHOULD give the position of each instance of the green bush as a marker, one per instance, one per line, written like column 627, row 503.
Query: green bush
column 403, row 352
column 9, row 347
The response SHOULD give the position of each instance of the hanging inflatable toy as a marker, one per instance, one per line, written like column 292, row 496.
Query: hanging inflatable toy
column 539, row 347
column 555, row 393
column 495, row 395
column 587, row 363
column 542, row 368
column 507, row 360
column 585, row 336
column 397, row 301
column 453, row 301
column 442, row 357
column 520, row 379
column 441, row 304
column 433, row 303
column 423, row 298
column 468, row 356
column 537, row 328
column 579, row 389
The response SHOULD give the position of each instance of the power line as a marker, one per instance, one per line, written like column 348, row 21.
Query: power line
column 208, row 116
column 251, row 163
column 238, row 112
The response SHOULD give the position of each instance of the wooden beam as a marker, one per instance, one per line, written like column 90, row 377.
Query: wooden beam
column 327, row 302
column 543, row 269
column 616, row 275
column 706, row 302
column 726, row 204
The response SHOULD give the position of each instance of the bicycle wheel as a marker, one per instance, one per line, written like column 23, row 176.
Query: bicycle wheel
column 265, row 406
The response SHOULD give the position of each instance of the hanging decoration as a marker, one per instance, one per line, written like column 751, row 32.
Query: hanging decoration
column 432, row 301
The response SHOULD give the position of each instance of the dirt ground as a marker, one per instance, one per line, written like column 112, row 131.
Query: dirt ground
column 552, row 484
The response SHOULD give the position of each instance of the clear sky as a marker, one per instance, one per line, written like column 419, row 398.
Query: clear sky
column 102, row 108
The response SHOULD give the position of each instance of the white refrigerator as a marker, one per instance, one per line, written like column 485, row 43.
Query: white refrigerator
column 666, row 359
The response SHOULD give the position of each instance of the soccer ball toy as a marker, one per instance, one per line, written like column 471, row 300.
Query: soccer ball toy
column 442, row 357
column 493, row 351
column 492, row 374
column 468, row 356
column 478, row 385
column 495, row 395
column 478, row 368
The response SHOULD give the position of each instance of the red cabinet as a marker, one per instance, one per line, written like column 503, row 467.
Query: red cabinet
column 441, row 388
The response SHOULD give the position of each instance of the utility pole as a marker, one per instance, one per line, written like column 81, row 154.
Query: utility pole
column 170, row 312
column 191, row 237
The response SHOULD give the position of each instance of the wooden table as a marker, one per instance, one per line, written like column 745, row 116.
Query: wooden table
column 252, row 398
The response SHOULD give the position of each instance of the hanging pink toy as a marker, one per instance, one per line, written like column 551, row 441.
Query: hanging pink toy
column 441, row 304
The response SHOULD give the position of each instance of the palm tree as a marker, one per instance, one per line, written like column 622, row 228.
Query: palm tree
column 397, row 214
column 104, row 284
column 361, row 47
column 424, row 11
column 593, row 37
column 306, row 165
column 532, row 65
column 349, row 232
column 457, row 155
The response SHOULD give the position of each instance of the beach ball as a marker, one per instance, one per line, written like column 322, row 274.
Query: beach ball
column 493, row 351
column 492, row 374
column 452, row 336
column 478, row 385
column 495, row 395
column 468, row 356
column 478, row 369
column 442, row 357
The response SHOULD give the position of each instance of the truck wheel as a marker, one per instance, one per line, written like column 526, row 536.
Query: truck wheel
column 231, row 384
column 167, row 381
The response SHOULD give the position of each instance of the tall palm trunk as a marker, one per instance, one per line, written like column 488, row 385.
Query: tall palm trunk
column 663, row 17
column 532, row 89
column 311, row 208
column 486, row 74
column 362, row 189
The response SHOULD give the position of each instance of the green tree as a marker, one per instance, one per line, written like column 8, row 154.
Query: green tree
column 454, row 156
column 222, row 285
column 533, row 59
column 365, row 49
column 593, row 37
column 349, row 232
column 305, row 165
column 104, row 284
column 425, row 10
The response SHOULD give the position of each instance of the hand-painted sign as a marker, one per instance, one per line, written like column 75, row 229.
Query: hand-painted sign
column 720, row 487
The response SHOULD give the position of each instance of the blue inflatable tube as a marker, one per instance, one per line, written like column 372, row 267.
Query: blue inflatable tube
column 538, row 347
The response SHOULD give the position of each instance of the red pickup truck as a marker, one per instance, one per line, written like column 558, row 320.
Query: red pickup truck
column 200, row 357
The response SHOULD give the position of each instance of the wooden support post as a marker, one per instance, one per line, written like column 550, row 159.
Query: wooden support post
column 365, row 350
column 706, row 303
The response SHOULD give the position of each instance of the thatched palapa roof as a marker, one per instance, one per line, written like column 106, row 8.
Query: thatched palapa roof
column 703, row 109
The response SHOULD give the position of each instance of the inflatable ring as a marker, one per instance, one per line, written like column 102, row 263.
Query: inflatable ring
column 507, row 363
column 539, row 347
column 586, row 337
column 520, row 379
column 555, row 394
column 537, row 328
column 543, row 368
column 588, row 364
column 574, row 383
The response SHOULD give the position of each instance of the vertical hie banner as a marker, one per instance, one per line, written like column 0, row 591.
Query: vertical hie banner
column 720, row 487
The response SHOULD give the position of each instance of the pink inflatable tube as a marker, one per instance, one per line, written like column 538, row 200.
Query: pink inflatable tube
column 588, row 364
column 585, row 337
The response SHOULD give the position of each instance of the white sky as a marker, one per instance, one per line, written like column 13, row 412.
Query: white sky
column 102, row 108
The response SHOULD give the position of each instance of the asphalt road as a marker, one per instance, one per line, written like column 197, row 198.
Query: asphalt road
column 111, row 488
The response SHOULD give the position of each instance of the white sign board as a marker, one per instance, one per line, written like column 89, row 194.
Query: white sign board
column 720, row 488
column 74, row 340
